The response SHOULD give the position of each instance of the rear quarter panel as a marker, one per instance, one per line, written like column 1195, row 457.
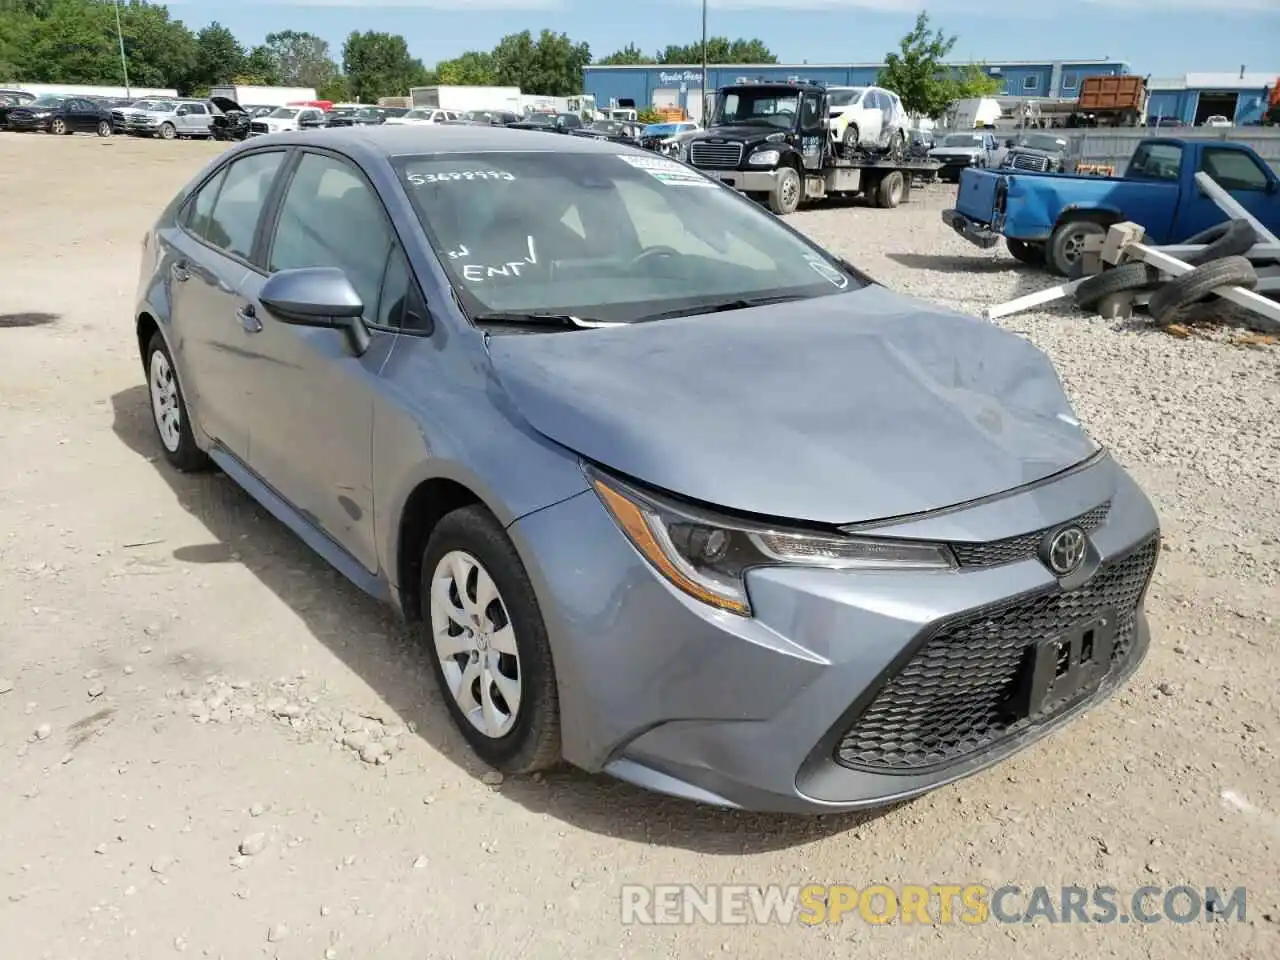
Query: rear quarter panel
column 1038, row 202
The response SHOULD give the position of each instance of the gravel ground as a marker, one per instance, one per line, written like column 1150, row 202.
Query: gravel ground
column 214, row 745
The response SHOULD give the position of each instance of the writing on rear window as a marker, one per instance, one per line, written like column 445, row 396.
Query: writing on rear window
column 459, row 175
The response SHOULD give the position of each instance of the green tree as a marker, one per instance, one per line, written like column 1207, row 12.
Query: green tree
column 260, row 68
column 379, row 65
column 301, row 59
column 630, row 54
column 219, row 57
column 160, row 52
column 552, row 65
column 719, row 50
column 916, row 73
column 471, row 69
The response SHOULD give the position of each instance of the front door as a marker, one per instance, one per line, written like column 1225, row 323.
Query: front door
column 813, row 131
column 312, row 445
column 196, row 121
column 213, row 339
column 1241, row 175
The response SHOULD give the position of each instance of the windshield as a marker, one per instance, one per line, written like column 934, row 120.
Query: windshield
column 544, row 119
column 478, row 116
column 660, row 129
column 766, row 108
column 47, row 100
column 609, row 237
column 284, row 113
column 963, row 140
column 1043, row 142
column 844, row 97
column 611, row 127
column 418, row 114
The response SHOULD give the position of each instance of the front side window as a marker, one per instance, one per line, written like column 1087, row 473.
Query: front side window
column 1233, row 169
column 331, row 217
column 603, row 236
column 199, row 213
column 234, row 219
column 844, row 98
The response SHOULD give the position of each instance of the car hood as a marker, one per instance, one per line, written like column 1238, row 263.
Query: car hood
column 841, row 409
column 226, row 105
column 740, row 133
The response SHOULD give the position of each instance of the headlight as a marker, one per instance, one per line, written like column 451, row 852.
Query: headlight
column 708, row 556
column 765, row 158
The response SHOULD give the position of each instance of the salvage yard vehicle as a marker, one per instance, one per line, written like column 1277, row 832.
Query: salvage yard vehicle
column 1035, row 152
column 172, row 119
column 60, row 115
column 551, row 122
column 619, row 131
column 10, row 99
column 1045, row 217
column 287, row 119
column 772, row 141
column 422, row 115
column 668, row 138
column 958, row 152
column 675, row 494
column 867, row 119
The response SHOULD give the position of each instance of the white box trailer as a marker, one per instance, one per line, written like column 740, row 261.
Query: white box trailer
column 90, row 90
column 248, row 96
column 461, row 99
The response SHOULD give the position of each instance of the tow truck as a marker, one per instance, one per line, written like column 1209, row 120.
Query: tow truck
column 772, row 141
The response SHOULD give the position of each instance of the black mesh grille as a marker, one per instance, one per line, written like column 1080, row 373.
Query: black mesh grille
column 951, row 699
column 1012, row 549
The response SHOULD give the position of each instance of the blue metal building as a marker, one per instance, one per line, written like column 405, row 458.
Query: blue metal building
column 668, row 85
column 1193, row 98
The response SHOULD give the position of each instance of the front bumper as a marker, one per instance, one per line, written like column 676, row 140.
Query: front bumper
column 979, row 234
column 29, row 125
column 748, row 181
column 952, row 167
column 846, row 690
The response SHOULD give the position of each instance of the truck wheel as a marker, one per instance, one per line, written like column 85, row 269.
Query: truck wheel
column 1067, row 243
column 168, row 131
column 1122, row 279
column 888, row 192
column 849, row 145
column 1170, row 302
column 1032, row 254
column 785, row 196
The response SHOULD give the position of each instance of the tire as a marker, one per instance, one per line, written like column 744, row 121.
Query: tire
column 784, row 198
column 890, row 190
column 1121, row 279
column 849, row 142
column 1231, row 238
column 169, row 410
column 58, row 127
column 1032, row 254
column 104, row 128
column 1172, row 300
column 528, row 738
column 1064, row 245
column 168, row 131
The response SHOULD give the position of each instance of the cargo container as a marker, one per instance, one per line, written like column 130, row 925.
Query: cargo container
column 1111, row 93
column 253, row 96
column 462, row 99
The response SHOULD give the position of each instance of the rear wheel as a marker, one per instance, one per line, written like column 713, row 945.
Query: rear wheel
column 1067, row 244
column 104, row 128
column 785, row 197
column 169, row 410
column 890, row 190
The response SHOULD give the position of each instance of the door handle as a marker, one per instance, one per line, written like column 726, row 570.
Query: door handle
column 180, row 271
column 248, row 318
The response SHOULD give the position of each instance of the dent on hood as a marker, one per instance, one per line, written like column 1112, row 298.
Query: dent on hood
column 841, row 409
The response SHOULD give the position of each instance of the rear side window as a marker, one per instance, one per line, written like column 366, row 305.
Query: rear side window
column 1233, row 169
column 233, row 221
column 200, row 209
column 1156, row 161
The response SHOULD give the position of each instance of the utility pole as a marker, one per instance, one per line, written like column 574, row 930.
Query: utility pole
column 703, row 85
column 124, row 64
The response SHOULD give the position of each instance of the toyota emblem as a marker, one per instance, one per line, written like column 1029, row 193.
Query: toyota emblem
column 1065, row 550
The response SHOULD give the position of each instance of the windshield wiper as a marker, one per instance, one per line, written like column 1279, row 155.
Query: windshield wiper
column 738, row 303
column 540, row 319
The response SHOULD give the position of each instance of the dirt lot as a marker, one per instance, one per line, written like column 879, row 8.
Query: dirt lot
column 175, row 665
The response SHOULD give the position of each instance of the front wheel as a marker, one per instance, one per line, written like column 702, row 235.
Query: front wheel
column 489, row 647
column 57, row 126
column 168, row 131
column 785, row 196
column 849, row 143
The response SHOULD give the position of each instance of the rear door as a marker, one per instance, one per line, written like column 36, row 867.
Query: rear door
column 211, row 259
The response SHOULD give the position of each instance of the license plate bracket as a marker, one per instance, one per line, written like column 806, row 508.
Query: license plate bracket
column 1059, row 669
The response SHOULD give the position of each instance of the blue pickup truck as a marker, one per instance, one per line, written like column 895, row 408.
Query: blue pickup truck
column 1045, row 217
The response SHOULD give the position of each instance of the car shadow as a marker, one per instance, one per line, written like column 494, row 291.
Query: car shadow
column 387, row 655
column 35, row 319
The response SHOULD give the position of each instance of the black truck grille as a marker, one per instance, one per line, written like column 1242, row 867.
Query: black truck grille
column 258, row 127
column 1024, row 546
column 950, row 701
column 716, row 156
column 1026, row 161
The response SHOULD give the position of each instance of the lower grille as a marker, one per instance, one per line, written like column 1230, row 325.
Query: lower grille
column 716, row 156
column 951, row 699
column 1024, row 161
column 1024, row 546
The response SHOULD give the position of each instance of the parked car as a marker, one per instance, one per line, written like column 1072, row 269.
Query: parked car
column 616, row 130
column 422, row 115
column 171, row 119
column 667, row 138
column 1045, row 218
column 231, row 120
column 960, row 151
column 867, row 119
column 652, row 470
column 551, row 122
column 287, row 119
column 494, row 118
column 10, row 99
column 354, row 115
column 1217, row 120
column 919, row 143
column 1035, row 152
column 60, row 115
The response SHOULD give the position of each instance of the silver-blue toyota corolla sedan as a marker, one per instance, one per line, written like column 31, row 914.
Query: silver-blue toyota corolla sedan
column 674, row 493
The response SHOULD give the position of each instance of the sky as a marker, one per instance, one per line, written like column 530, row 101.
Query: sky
column 1162, row 38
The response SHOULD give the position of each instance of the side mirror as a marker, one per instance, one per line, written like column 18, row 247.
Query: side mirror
column 1273, row 186
column 317, row 297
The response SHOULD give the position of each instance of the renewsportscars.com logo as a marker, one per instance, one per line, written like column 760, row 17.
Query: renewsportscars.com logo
column 673, row 904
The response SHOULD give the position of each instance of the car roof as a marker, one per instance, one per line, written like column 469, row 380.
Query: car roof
column 400, row 141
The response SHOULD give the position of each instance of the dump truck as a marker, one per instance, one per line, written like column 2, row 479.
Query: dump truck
column 1111, row 102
